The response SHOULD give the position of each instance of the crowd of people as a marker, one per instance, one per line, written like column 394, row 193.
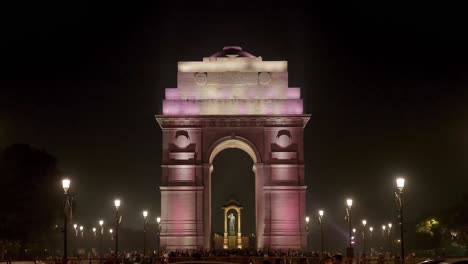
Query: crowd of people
column 241, row 256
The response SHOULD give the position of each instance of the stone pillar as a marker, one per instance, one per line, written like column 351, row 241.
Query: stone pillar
column 181, row 206
column 207, row 170
column 239, row 233
column 260, row 174
column 225, row 241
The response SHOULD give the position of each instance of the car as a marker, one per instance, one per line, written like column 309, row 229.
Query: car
column 432, row 261
column 445, row 261
column 455, row 261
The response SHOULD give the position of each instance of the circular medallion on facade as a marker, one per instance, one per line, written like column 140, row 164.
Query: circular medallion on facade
column 264, row 78
column 182, row 139
column 283, row 138
column 283, row 141
column 200, row 78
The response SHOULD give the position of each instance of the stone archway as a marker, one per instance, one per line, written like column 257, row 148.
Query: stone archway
column 232, row 100
column 244, row 144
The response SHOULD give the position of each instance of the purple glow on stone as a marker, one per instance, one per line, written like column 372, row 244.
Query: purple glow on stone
column 232, row 107
column 293, row 93
column 172, row 93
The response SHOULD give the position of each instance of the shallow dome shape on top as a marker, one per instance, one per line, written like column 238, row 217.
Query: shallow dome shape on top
column 232, row 51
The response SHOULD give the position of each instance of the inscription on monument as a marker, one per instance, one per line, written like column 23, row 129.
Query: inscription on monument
column 232, row 78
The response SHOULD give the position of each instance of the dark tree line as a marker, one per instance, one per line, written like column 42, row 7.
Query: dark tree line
column 30, row 195
column 446, row 229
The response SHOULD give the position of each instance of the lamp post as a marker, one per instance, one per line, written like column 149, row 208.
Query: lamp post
column 66, row 214
column 101, row 223
column 94, row 233
column 80, row 243
column 364, row 223
column 307, row 220
column 75, row 238
column 111, row 231
column 321, row 212
column 390, row 231
column 384, row 227
column 145, row 218
column 117, row 205
column 371, row 229
column 158, row 232
column 400, row 183
column 350, row 250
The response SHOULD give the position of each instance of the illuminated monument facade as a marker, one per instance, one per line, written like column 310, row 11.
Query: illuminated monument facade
column 232, row 99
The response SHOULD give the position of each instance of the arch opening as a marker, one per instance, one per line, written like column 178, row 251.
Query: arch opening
column 232, row 178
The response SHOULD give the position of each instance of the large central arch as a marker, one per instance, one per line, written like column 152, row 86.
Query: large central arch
column 249, row 148
column 232, row 100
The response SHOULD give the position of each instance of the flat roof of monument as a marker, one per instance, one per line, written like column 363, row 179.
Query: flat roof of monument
column 236, row 64
column 232, row 59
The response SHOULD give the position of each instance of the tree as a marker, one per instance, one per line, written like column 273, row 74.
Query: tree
column 30, row 193
column 448, row 228
column 433, row 231
column 457, row 222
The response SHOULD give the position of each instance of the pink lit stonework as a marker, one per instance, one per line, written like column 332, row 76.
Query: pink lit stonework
column 232, row 100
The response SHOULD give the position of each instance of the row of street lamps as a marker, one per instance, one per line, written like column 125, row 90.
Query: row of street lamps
column 371, row 229
column 118, row 219
column 400, row 183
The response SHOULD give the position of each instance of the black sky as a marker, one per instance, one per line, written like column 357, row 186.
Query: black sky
column 385, row 84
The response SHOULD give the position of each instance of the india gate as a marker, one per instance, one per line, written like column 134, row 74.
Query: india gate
column 232, row 99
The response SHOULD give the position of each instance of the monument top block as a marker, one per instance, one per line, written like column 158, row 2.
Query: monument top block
column 232, row 58
column 232, row 82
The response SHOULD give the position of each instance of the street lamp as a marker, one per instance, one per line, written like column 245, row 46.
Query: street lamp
column 101, row 224
column 94, row 233
column 390, row 244
column 110, row 232
column 321, row 212
column 66, row 215
column 400, row 183
column 307, row 220
column 117, row 222
column 350, row 249
column 75, row 238
column 145, row 217
column 364, row 223
column 81, row 231
column 158, row 232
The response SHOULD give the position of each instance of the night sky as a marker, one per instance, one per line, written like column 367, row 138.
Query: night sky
column 386, row 85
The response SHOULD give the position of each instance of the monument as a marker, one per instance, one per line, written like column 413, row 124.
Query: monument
column 232, row 99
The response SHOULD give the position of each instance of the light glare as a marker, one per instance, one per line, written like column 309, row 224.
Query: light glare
column 400, row 182
column 117, row 203
column 66, row 184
